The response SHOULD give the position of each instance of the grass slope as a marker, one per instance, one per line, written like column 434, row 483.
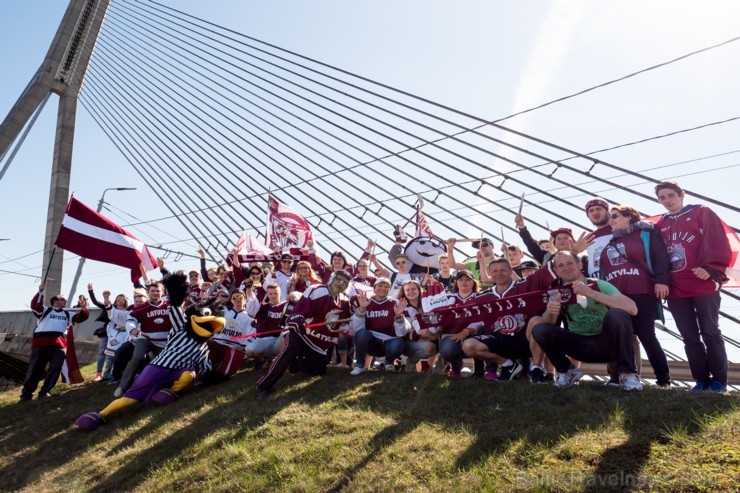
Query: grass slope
column 377, row 432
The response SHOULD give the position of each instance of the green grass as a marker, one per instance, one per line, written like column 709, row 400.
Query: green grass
column 377, row 432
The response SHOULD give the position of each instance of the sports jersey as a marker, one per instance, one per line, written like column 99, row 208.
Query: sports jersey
column 181, row 351
column 378, row 319
column 316, row 303
column 512, row 323
column 302, row 284
column 153, row 320
column 367, row 281
column 694, row 237
column 268, row 317
column 52, row 325
column 116, row 329
column 624, row 264
column 238, row 324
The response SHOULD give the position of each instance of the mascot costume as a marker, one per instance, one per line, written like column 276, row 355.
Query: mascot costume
column 184, row 356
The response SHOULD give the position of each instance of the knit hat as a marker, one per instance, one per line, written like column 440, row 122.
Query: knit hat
column 596, row 201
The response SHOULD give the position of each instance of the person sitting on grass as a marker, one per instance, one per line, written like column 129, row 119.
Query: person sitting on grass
column 184, row 355
column 375, row 329
column 308, row 335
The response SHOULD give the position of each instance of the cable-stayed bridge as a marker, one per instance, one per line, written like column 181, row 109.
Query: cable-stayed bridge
column 216, row 113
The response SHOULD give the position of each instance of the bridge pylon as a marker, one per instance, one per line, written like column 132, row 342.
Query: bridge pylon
column 63, row 73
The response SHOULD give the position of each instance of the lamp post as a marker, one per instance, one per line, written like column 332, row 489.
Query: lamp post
column 82, row 259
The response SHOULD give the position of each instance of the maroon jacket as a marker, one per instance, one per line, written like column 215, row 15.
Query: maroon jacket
column 695, row 237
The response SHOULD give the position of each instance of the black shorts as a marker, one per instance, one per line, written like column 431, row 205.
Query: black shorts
column 513, row 346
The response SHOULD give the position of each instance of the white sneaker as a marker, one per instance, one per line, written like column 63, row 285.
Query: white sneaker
column 568, row 378
column 118, row 392
column 358, row 370
column 630, row 381
column 390, row 368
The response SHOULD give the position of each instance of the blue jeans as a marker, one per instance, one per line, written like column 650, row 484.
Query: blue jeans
column 452, row 352
column 418, row 350
column 366, row 343
column 102, row 343
column 697, row 320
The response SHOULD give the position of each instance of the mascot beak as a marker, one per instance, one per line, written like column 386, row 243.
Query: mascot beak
column 206, row 326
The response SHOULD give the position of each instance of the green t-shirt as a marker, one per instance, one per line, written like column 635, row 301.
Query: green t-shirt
column 587, row 321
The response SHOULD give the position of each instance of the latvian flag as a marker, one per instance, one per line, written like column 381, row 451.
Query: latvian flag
column 422, row 226
column 90, row 235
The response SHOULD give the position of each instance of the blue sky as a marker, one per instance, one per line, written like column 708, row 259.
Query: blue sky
column 486, row 58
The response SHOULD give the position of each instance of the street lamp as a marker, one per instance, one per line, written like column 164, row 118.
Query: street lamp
column 82, row 259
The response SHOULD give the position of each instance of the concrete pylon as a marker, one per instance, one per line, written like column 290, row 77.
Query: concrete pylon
column 62, row 72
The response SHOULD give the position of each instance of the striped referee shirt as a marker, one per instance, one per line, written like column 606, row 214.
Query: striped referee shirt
column 181, row 350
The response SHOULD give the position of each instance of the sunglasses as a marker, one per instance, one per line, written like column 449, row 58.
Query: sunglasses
column 401, row 262
column 615, row 216
column 286, row 261
column 237, row 297
column 484, row 244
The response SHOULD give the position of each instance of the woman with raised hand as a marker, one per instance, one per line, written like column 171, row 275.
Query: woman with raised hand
column 303, row 278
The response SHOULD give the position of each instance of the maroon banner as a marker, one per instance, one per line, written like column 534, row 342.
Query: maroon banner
column 487, row 308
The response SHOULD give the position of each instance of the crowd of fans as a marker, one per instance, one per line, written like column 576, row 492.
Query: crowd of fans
column 304, row 315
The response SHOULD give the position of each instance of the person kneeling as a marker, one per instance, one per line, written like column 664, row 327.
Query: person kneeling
column 310, row 331
column 378, row 326
column 599, row 333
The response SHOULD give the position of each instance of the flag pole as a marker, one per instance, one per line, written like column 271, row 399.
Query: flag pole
column 48, row 266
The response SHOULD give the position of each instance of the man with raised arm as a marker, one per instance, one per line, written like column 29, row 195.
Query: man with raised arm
column 49, row 343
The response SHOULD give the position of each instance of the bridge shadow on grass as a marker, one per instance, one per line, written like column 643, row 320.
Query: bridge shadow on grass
column 41, row 437
column 514, row 423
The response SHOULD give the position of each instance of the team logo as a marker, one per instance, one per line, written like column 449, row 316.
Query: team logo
column 287, row 227
column 616, row 254
column 158, row 320
column 509, row 324
column 677, row 256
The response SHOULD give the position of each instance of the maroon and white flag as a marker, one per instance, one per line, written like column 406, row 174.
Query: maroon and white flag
column 71, row 369
column 285, row 226
column 422, row 226
column 91, row 235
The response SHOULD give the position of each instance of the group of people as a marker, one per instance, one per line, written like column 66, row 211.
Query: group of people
column 592, row 299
